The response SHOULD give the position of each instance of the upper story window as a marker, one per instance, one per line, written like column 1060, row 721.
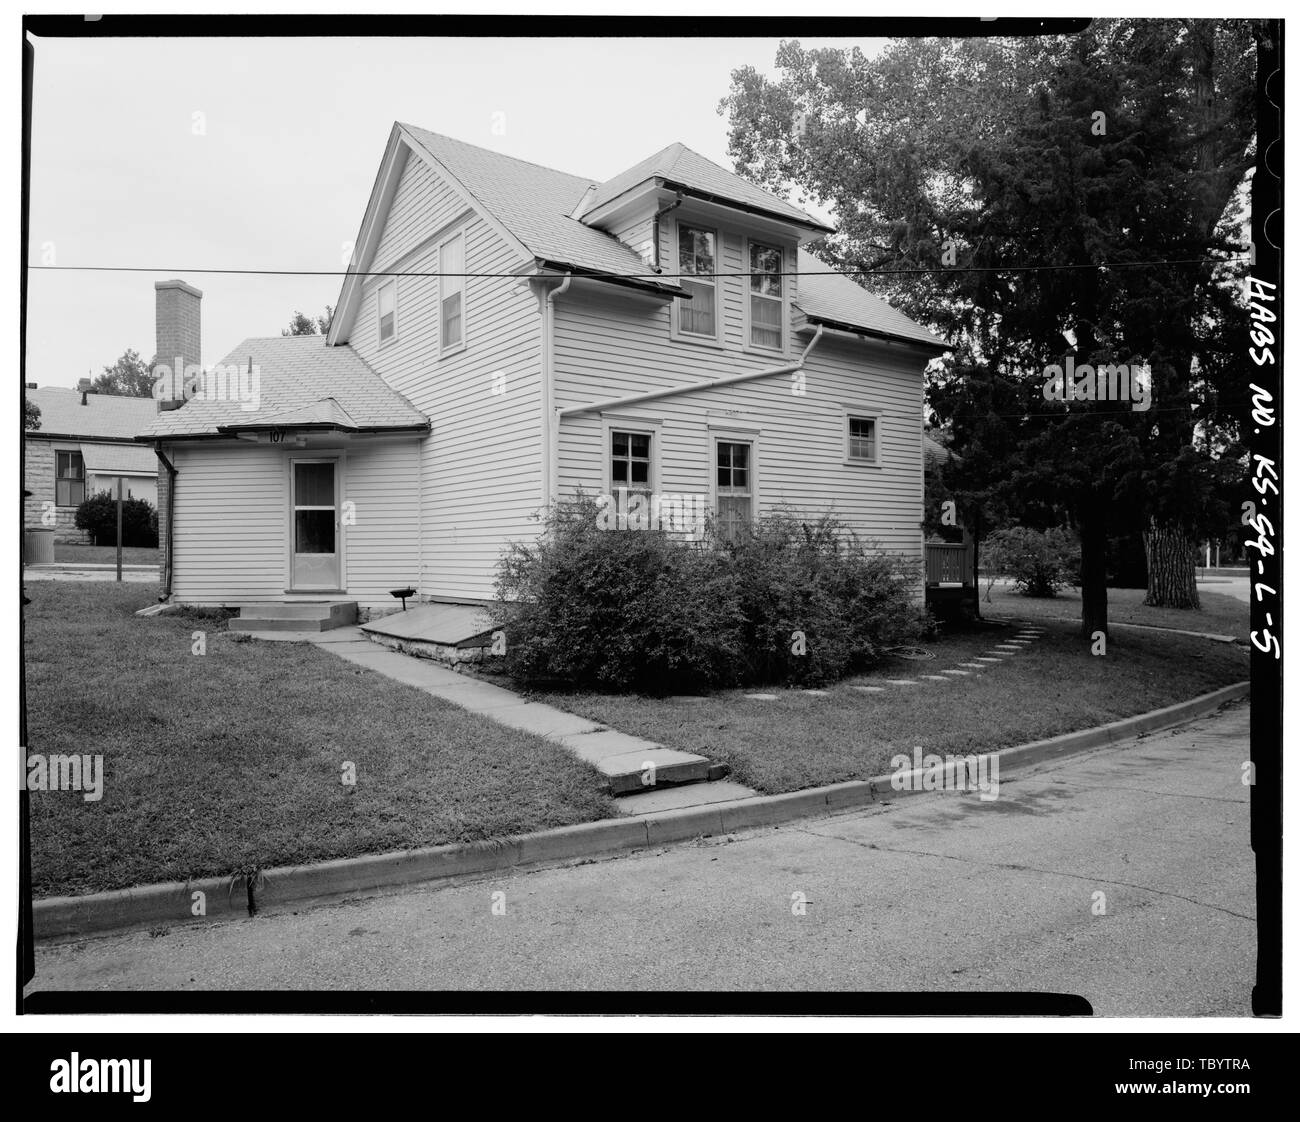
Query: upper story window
column 697, row 259
column 451, row 303
column 69, row 479
column 387, row 311
column 765, row 296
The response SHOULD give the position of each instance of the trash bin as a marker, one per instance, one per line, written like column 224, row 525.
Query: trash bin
column 38, row 546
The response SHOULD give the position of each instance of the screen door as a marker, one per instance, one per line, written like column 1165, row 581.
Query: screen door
column 315, row 552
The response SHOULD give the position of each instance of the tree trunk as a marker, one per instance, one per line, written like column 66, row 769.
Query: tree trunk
column 1171, row 567
column 1092, row 574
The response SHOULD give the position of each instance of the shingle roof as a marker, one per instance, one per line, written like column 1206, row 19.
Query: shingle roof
column 835, row 298
column 682, row 167
column 534, row 204
column 104, row 416
column 300, row 381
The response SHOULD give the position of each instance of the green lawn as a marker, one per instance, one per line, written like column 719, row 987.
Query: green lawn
column 1220, row 613
column 68, row 553
column 234, row 758
column 801, row 741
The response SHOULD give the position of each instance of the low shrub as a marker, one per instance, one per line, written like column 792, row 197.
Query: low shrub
column 98, row 514
column 791, row 602
column 1040, row 562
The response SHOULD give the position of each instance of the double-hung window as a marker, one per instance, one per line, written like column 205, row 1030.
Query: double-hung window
column 451, row 298
column 765, row 296
column 861, row 439
column 629, row 460
column 735, row 489
column 69, row 479
column 697, row 259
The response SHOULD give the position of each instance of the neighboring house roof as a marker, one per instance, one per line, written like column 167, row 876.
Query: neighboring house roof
column 119, row 459
column 835, row 300
column 534, row 204
column 679, row 167
column 103, row 417
column 300, row 383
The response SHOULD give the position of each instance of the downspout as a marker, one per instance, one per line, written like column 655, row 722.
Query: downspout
column 171, row 521
column 695, row 387
column 550, row 415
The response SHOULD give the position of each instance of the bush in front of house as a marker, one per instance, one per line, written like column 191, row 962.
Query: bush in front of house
column 817, row 604
column 796, row 603
column 613, row 610
column 98, row 515
column 1040, row 562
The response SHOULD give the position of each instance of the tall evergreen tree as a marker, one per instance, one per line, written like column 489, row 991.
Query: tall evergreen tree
column 1039, row 200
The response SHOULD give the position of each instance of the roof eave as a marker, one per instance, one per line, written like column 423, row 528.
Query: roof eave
column 644, row 284
column 936, row 345
column 807, row 222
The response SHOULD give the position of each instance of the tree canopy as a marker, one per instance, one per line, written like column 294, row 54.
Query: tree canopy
column 1039, row 200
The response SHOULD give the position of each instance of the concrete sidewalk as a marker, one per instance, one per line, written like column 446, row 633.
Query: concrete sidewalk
column 630, row 764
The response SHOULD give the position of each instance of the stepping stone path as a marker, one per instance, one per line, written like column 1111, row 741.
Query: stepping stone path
column 1021, row 642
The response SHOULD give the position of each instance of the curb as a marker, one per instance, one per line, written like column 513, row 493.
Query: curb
column 64, row 917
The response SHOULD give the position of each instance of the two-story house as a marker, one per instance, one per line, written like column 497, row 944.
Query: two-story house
column 508, row 335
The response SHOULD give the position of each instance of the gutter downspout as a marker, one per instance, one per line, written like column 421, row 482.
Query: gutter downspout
column 550, row 415
column 674, row 391
column 171, row 521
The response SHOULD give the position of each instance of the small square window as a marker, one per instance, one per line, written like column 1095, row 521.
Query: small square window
column 629, row 461
column 862, row 439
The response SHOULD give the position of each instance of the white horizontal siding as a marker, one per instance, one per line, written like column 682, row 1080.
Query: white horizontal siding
column 480, row 468
column 800, row 445
column 232, row 521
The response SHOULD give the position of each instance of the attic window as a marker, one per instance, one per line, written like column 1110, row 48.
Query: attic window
column 765, row 301
column 697, row 256
column 451, row 264
column 387, row 311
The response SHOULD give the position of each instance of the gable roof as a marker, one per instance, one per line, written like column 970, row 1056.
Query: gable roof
column 682, row 168
column 534, row 203
column 301, row 383
column 533, row 206
column 836, row 301
column 103, row 416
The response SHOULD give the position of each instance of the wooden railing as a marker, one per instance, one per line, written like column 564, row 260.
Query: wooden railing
column 949, row 563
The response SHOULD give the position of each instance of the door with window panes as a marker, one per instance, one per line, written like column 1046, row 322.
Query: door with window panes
column 315, row 560
column 734, row 488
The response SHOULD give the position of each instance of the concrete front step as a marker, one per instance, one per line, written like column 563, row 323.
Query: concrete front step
column 303, row 616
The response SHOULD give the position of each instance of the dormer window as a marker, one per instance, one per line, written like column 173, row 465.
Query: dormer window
column 697, row 260
column 765, row 296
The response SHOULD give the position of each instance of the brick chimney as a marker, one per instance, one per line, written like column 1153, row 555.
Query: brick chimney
column 176, row 326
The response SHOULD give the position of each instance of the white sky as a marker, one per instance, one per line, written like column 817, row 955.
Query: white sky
column 294, row 133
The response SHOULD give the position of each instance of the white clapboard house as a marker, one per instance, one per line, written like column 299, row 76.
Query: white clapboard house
column 508, row 335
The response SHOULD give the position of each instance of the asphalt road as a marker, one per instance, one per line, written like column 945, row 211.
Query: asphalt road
column 932, row 892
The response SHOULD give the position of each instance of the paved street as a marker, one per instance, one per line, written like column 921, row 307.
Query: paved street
column 933, row 892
